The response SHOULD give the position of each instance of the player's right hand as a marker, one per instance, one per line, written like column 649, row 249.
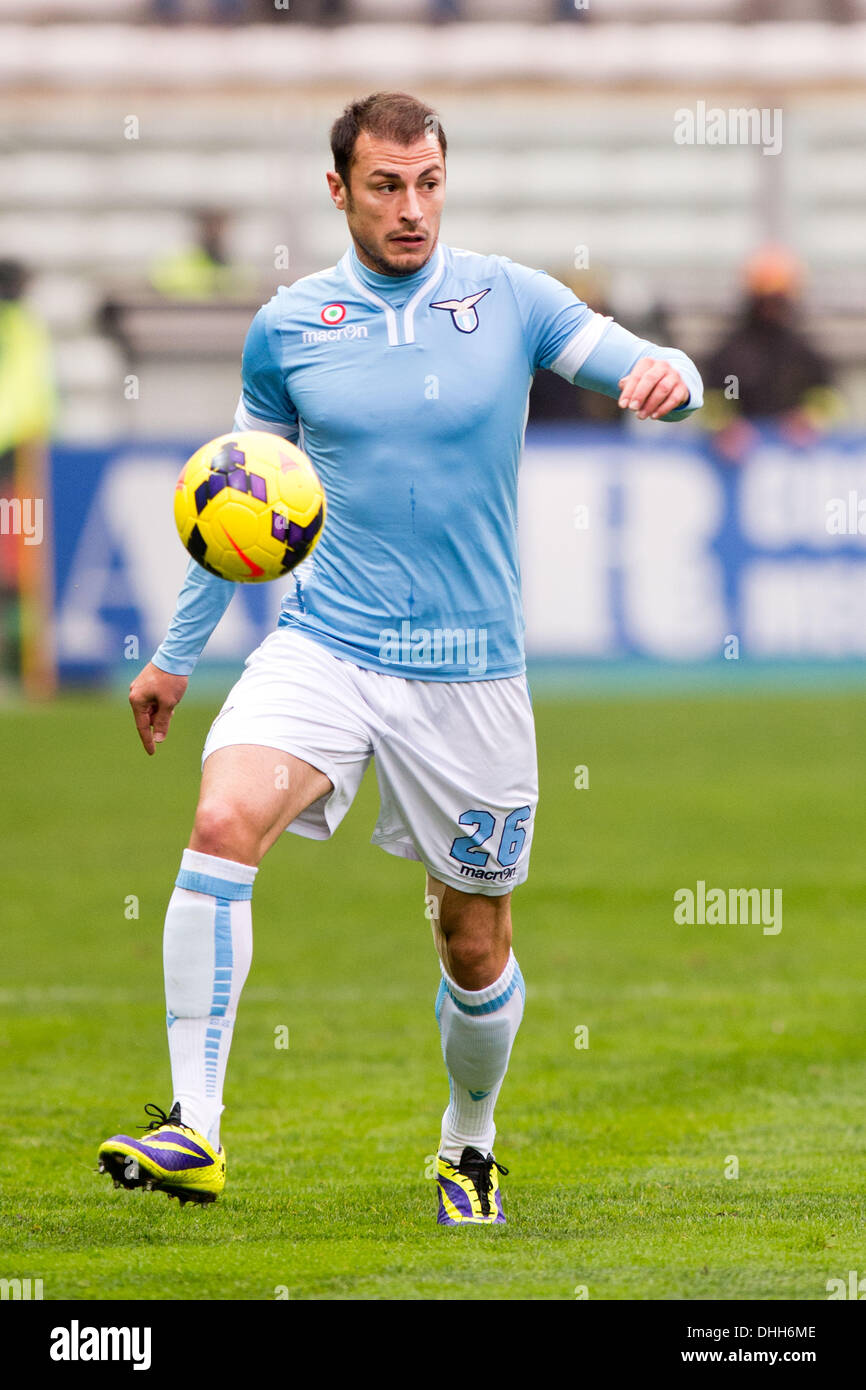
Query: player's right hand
column 153, row 696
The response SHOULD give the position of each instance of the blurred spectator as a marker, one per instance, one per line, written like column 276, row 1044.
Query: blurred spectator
column 570, row 9
column 27, row 410
column 837, row 11
column 655, row 324
column 27, row 396
column 443, row 11
column 553, row 400
column 301, row 11
column 215, row 11
column 192, row 280
column 203, row 269
column 766, row 369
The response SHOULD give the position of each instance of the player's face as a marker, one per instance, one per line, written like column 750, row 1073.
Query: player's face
column 393, row 203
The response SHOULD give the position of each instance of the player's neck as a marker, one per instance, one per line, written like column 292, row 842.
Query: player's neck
column 376, row 279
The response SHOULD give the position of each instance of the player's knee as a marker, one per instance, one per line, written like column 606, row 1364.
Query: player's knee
column 468, row 954
column 473, row 917
column 219, row 829
column 477, row 958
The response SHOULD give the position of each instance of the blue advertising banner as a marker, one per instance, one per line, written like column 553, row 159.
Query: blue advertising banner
column 630, row 549
column 660, row 550
column 119, row 563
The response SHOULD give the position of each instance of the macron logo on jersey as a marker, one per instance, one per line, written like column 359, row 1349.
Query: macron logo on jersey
column 333, row 314
column 332, row 335
column 463, row 313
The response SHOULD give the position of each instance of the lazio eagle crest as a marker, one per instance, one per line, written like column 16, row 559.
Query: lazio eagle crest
column 463, row 311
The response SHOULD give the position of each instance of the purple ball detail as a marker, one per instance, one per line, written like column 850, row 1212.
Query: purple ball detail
column 258, row 487
column 315, row 526
column 227, row 458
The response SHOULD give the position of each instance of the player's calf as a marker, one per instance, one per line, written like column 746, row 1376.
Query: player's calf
column 479, row 1008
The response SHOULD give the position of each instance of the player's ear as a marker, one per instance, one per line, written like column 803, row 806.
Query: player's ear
column 337, row 190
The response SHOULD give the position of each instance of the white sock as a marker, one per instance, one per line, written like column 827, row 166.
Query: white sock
column 478, row 1029
column 207, row 949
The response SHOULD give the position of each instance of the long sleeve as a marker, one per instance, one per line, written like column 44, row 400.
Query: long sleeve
column 202, row 600
column 204, row 597
column 586, row 348
column 616, row 354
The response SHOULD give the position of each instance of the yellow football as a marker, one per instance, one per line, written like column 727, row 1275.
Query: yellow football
column 249, row 506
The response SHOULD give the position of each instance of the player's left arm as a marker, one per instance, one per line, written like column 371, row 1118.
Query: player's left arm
column 659, row 383
column 654, row 388
column 592, row 351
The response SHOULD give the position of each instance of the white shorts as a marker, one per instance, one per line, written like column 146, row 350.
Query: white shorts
column 455, row 760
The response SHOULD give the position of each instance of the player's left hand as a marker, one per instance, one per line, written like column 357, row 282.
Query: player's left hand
column 652, row 388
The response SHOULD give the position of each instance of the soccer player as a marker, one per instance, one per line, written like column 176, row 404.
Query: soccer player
column 404, row 372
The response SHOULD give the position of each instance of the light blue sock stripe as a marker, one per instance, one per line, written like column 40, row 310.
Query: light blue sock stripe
column 492, row 1004
column 223, row 961
column 222, row 956
column 440, row 999
column 217, row 887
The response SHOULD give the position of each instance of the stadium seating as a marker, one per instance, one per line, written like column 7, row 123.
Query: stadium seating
column 537, row 169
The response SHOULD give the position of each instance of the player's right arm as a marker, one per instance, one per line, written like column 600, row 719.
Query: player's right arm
column 264, row 405
column 157, row 689
column 153, row 696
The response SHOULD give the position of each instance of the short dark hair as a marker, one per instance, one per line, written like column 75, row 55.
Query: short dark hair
column 392, row 116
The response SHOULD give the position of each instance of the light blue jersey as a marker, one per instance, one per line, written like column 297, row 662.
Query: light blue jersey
column 410, row 397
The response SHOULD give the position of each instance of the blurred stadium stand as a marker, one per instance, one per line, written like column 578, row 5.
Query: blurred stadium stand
column 419, row 11
column 559, row 140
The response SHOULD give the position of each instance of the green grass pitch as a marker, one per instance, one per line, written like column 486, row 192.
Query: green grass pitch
column 711, row 1049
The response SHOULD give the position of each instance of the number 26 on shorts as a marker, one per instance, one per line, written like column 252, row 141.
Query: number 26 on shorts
column 468, row 848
